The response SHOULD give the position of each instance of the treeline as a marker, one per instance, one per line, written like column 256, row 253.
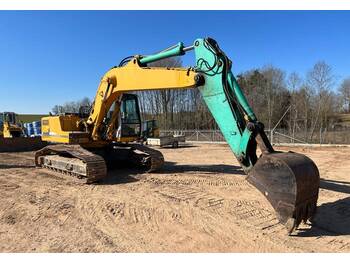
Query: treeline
column 303, row 104
column 308, row 103
column 299, row 104
column 72, row 106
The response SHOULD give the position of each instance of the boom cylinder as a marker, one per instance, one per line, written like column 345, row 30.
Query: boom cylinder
column 177, row 50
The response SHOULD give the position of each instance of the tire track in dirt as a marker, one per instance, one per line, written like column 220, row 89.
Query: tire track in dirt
column 159, row 217
column 263, row 220
column 222, row 209
column 240, row 183
column 24, row 159
column 113, row 215
column 253, row 214
column 162, row 212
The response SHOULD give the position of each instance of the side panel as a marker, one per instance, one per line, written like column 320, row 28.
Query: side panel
column 62, row 129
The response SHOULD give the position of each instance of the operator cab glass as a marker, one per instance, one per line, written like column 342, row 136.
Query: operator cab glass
column 130, row 116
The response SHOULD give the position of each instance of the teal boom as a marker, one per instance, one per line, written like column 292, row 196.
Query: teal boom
column 228, row 117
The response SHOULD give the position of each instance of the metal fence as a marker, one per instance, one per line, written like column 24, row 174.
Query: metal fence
column 277, row 136
column 197, row 135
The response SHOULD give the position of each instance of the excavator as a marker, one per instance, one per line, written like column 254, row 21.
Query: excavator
column 8, row 125
column 86, row 144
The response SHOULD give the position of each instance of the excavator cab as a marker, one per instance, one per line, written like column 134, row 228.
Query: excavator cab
column 129, row 120
column 130, row 116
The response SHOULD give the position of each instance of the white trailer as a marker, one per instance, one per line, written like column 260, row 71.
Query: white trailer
column 169, row 140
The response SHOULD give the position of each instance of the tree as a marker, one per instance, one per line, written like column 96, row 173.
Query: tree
column 321, row 79
column 161, row 102
column 266, row 92
column 72, row 106
column 344, row 90
column 274, row 94
column 293, row 83
column 253, row 84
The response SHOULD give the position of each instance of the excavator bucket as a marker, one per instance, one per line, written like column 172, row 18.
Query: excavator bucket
column 290, row 182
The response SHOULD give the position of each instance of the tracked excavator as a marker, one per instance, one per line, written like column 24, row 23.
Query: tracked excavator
column 84, row 145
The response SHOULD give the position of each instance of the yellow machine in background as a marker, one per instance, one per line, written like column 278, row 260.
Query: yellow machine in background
column 9, row 127
column 14, row 136
column 150, row 129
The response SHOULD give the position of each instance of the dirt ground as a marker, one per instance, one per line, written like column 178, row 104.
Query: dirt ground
column 200, row 202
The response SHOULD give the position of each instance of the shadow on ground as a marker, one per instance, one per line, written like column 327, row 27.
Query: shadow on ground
column 337, row 186
column 180, row 146
column 121, row 176
column 5, row 166
column 332, row 218
column 129, row 175
column 173, row 167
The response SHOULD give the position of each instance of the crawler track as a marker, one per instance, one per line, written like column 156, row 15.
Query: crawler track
column 88, row 167
column 72, row 160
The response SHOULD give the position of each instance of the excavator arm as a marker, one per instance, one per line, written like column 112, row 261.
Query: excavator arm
column 288, row 180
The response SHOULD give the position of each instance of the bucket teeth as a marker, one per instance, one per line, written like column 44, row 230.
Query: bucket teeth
column 312, row 210
column 303, row 213
column 306, row 213
column 299, row 215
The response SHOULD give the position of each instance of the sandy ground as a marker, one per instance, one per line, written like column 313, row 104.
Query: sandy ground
column 200, row 202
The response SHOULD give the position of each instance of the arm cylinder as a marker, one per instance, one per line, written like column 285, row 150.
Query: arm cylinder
column 241, row 97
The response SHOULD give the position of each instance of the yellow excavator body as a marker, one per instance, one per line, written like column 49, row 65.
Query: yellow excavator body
column 67, row 129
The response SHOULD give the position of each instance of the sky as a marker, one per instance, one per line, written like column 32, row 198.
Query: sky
column 51, row 57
